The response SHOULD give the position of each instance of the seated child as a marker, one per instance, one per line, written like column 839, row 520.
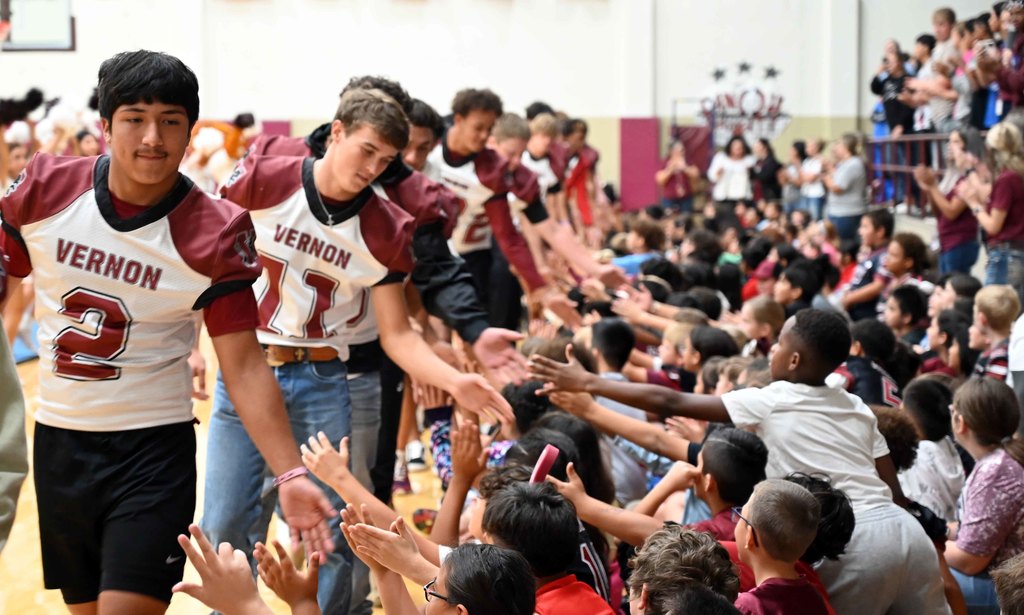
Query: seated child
column 799, row 284
column 905, row 309
column 674, row 557
column 996, row 307
column 862, row 373
column 906, row 261
column 948, row 338
column 937, row 476
column 761, row 319
column 777, row 525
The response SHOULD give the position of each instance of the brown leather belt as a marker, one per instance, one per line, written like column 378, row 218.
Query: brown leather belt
column 279, row 355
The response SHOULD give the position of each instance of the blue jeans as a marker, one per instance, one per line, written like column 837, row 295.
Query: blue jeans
column 1006, row 266
column 959, row 258
column 364, row 391
column 813, row 205
column 846, row 226
column 235, row 509
column 979, row 593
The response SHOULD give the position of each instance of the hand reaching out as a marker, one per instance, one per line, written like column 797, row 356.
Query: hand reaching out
column 578, row 404
column 572, row 489
column 227, row 583
column 296, row 589
column 496, row 351
column 682, row 475
column 469, row 458
column 473, row 394
column 559, row 376
column 686, row 428
column 306, row 510
column 326, row 463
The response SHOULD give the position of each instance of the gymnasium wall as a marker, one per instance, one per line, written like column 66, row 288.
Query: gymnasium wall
column 605, row 60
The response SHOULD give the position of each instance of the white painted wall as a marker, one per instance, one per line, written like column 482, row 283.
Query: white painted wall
column 595, row 58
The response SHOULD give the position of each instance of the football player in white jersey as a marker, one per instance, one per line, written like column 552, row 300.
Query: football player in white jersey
column 332, row 248
column 124, row 250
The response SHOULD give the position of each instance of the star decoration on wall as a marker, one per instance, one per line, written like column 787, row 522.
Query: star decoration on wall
column 771, row 72
column 719, row 74
column 744, row 67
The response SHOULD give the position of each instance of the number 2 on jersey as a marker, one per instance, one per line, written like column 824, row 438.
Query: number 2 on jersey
column 82, row 351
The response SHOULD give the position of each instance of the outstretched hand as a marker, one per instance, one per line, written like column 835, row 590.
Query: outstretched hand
column 321, row 458
column 495, row 350
column 294, row 587
column 572, row 489
column 474, row 394
column 577, row 404
column 559, row 376
column 306, row 511
column 227, row 583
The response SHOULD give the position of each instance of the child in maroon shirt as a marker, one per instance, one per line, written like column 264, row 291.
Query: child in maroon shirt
column 775, row 527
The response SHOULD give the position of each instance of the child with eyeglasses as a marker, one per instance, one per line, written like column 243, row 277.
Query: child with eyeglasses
column 775, row 527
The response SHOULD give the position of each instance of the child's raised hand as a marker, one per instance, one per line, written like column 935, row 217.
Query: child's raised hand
column 682, row 475
column 323, row 461
column 294, row 587
column 227, row 583
column 350, row 518
column 692, row 430
column 578, row 404
column 573, row 489
column 468, row 455
column 394, row 548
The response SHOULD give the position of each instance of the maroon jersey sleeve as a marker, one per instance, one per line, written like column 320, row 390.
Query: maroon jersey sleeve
column 278, row 145
column 390, row 239
column 231, row 313
column 216, row 239
column 426, row 201
column 46, row 186
column 512, row 243
column 259, row 182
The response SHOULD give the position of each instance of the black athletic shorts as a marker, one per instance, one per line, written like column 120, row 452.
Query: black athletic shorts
column 111, row 505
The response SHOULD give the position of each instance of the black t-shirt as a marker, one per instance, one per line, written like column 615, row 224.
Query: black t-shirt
column 896, row 113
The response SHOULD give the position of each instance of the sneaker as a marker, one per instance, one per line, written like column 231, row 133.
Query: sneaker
column 414, row 456
column 400, row 484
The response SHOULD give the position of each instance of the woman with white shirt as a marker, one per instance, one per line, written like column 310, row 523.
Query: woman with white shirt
column 730, row 173
column 812, row 191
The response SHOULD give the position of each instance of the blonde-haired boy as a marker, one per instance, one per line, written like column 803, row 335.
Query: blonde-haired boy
column 995, row 309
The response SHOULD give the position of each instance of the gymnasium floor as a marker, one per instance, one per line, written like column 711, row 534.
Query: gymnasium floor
column 21, row 572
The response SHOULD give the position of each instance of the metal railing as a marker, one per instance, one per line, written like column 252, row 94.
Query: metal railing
column 891, row 162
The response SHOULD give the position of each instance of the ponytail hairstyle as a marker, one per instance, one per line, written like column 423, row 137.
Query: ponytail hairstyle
column 956, row 326
column 992, row 413
column 880, row 345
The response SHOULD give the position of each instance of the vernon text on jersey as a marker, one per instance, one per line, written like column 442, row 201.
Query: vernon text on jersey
column 303, row 242
column 107, row 264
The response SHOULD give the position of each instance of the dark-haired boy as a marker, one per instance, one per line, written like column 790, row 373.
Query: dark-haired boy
column 483, row 179
column 905, row 308
column 811, row 427
column 860, row 296
column 542, row 526
column 125, row 251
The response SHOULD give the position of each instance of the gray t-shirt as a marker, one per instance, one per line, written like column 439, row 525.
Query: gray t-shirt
column 851, row 177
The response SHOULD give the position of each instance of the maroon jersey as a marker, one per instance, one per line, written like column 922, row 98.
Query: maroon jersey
column 319, row 260
column 115, row 296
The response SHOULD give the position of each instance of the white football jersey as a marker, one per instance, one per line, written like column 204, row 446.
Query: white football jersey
column 115, row 298
column 319, row 262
